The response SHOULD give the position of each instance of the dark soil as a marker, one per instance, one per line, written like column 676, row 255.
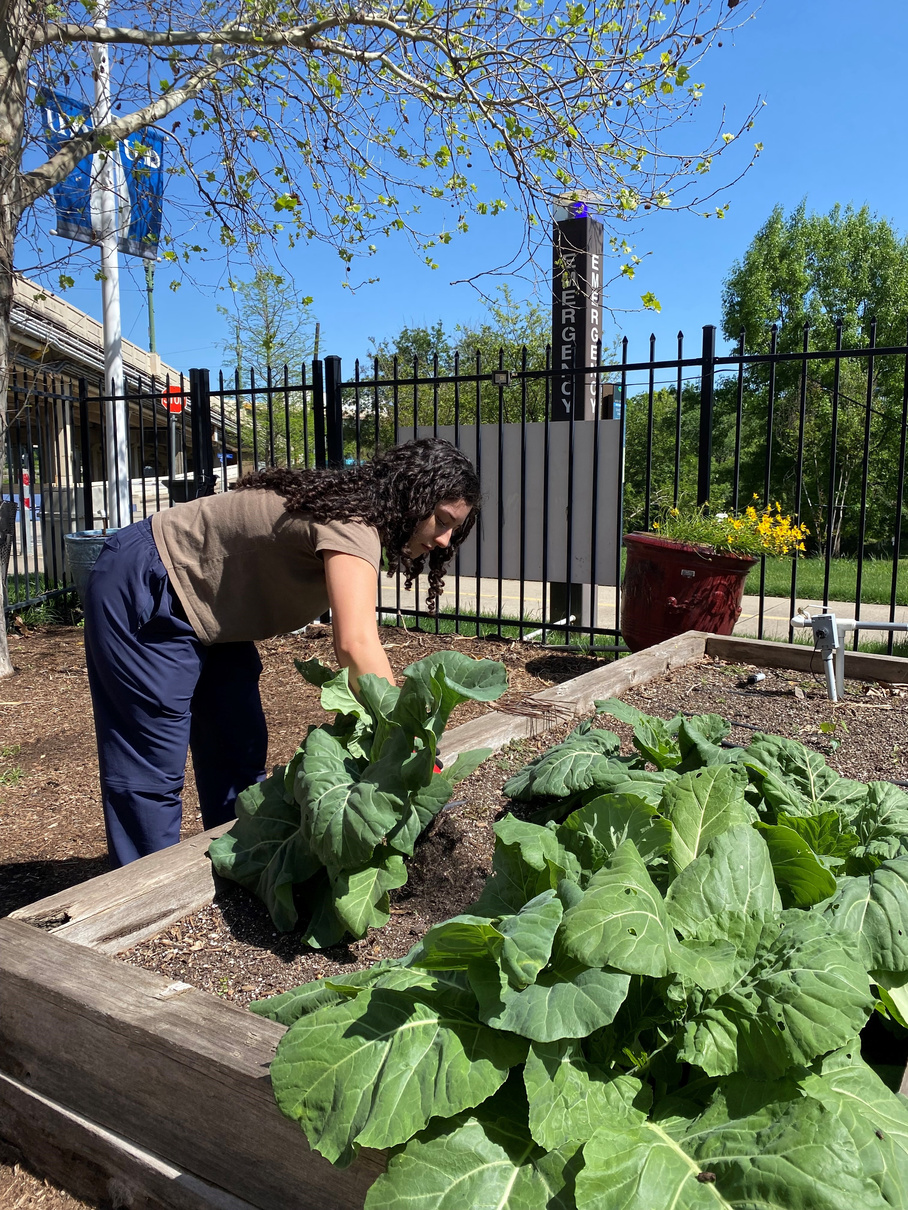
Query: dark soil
column 52, row 836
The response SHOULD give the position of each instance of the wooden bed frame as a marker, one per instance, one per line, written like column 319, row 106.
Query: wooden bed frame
column 131, row 1090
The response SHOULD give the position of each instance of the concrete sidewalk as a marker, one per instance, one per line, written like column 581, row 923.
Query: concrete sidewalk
column 776, row 610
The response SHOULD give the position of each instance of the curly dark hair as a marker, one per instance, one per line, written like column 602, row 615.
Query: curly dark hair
column 394, row 492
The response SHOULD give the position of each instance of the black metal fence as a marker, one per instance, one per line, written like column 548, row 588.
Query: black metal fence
column 821, row 431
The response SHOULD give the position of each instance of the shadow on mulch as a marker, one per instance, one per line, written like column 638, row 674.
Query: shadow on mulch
column 24, row 882
column 562, row 666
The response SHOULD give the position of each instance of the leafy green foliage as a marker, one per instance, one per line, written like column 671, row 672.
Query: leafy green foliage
column 342, row 815
column 840, row 274
column 513, row 335
column 657, row 1001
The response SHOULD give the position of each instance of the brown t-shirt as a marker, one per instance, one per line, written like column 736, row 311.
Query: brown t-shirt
column 246, row 568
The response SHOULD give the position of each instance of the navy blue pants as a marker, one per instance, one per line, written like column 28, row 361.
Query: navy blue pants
column 158, row 692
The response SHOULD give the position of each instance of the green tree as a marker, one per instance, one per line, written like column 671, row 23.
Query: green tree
column 659, row 468
column 346, row 123
column 513, row 336
column 270, row 325
column 824, row 278
column 847, row 266
column 269, row 343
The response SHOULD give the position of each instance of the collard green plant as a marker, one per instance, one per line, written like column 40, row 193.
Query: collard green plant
column 334, row 825
column 658, row 1001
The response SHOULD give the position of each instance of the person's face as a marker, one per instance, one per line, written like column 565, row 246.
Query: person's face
column 438, row 528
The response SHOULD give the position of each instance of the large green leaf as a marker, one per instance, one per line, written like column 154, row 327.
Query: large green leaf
column 732, row 875
column 881, row 822
column 569, row 1097
column 528, row 860
column 405, row 765
column 361, row 895
column 343, row 818
column 828, row 834
column 657, row 743
column 702, row 805
column 621, row 921
column 617, row 777
column 876, row 1119
column 799, row 991
column 455, row 943
column 789, row 1154
column 424, row 805
column 289, row 1006
column 441, row 681
column 374, row 1070
column 611, row 819
column 624, row 712
column 379, row 697
column 324, row 927
column 520, row 943
column 799, row 782
column 315, row 672
column 700, row 741
column 567, row 1000
column 678, row 742
column 464, row 764
column 802, row 880
column 874, row 910
column 338, row 697
column 567, row 768
column 483, row 1161
column 352, row 725
column 266, row 850
column 527, row 939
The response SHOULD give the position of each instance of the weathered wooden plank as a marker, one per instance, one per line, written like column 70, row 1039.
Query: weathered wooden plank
column 859, row 665
column 96, row 1164
column 174, row 1070
column 118, row 909
column 543, row 710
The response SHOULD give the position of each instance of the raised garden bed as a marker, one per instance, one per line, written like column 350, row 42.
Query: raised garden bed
column 130, row 1088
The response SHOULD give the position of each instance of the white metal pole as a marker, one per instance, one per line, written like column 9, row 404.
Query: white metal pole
column 106, row 213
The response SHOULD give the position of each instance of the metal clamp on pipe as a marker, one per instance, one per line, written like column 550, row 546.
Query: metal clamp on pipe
column 828, row 638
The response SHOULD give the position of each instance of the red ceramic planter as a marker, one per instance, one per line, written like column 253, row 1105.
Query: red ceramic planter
column 670, row 587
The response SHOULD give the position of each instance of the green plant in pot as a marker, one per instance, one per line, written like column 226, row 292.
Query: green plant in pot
column 688, row 573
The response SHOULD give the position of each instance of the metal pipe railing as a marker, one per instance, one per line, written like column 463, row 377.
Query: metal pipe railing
column 828, row 637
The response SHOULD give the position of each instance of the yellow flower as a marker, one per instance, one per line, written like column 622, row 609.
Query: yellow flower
column 752, row 532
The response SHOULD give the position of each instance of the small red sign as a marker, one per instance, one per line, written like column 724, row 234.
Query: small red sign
column 172, row 399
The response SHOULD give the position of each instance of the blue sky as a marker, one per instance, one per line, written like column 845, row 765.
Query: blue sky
column 833, row 130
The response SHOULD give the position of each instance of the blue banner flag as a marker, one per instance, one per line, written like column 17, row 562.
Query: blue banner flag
column 138, row 172
column 142, row 156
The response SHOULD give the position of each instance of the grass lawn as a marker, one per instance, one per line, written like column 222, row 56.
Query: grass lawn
column 876, row 580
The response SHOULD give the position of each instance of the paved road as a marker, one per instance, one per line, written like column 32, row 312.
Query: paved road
column 776, row 610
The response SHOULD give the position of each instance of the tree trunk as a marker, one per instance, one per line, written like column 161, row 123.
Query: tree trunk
column 6, row 290
column 16, row 33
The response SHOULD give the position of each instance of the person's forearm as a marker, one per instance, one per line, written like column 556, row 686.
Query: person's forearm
column 360, row 657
